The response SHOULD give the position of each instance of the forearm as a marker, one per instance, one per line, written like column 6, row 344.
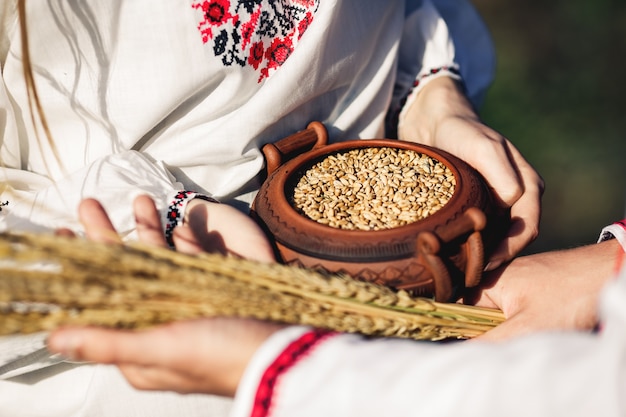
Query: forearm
column 574, row 276
column 557, row 290
column 348, row 375
column 594, row 262
column 351, row 376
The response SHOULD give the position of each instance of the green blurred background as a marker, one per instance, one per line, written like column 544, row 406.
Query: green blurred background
column 560, row 97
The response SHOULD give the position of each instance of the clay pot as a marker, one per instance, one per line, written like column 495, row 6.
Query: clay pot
column 439, row 256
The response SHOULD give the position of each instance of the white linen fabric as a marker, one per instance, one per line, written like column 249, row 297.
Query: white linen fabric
column 547, row 374
column 159, row 97
column 118, row 77
column 71, row 390
column 617, row 231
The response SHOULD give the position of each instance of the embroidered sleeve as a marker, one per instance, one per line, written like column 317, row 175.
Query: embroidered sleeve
column 442, row 38
column 176, row 211
column 617, row 231
column 426, row 52
column 295, row 352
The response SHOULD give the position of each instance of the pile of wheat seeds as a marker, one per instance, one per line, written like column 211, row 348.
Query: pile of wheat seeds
column 373, row 188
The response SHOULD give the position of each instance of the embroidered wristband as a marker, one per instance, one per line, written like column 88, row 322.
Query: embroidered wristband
column 176, row 211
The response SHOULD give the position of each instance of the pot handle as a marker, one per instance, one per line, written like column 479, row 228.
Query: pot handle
column 314, row 136
column 429, row 244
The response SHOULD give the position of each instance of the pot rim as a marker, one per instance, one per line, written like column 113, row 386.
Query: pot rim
column 364, row 244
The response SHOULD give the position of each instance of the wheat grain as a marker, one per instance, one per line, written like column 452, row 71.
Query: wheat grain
column 369, row 188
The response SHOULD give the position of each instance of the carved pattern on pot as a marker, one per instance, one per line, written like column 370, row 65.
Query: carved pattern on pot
column 437, row 256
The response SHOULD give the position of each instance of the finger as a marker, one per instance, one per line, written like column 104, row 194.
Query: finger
column 525, row 218
column 113, row 346
column 64, row 232
column 483, row 295
column 209, row 239
column 493, row 290
column 490, row 153
column 160, row 379
column 98, row 226
column 518, row 325
column 502, row 176
column 519, row 236
column 185, row 240
column 148, row 222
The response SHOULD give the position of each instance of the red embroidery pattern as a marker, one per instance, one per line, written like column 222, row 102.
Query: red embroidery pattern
column 393, row 117
column 175, row 212
column 261, row 34
column 288, row 358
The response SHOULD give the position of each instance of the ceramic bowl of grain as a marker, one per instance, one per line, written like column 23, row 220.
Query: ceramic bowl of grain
column 391, row 212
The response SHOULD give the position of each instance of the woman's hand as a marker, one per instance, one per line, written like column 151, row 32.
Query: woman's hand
column 224, row 229
column 204, row 355
column 441, row 116
column 200, row 356
column 557, row 290
column 208, row 227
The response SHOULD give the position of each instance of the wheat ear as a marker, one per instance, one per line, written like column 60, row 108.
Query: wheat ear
column 47, row 281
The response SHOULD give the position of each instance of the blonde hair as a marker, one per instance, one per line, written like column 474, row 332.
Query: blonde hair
column 34, row 103
column 37, row 115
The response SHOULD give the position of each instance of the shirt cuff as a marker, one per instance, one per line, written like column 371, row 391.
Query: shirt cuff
column 615, row 231
column 423, row 79
column 253, row 397
column 176, row 211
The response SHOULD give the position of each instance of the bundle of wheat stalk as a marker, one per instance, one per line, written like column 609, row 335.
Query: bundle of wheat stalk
column 48, row 281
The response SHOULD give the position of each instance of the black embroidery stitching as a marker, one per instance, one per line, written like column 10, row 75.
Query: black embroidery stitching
column 256, row 33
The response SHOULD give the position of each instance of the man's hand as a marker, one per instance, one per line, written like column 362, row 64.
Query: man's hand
column 557, row 290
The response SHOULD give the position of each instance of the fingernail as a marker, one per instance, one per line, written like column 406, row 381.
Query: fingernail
column 492, row 265
column 65, row 344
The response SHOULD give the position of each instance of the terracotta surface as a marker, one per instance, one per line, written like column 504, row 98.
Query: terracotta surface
column 438, row 256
